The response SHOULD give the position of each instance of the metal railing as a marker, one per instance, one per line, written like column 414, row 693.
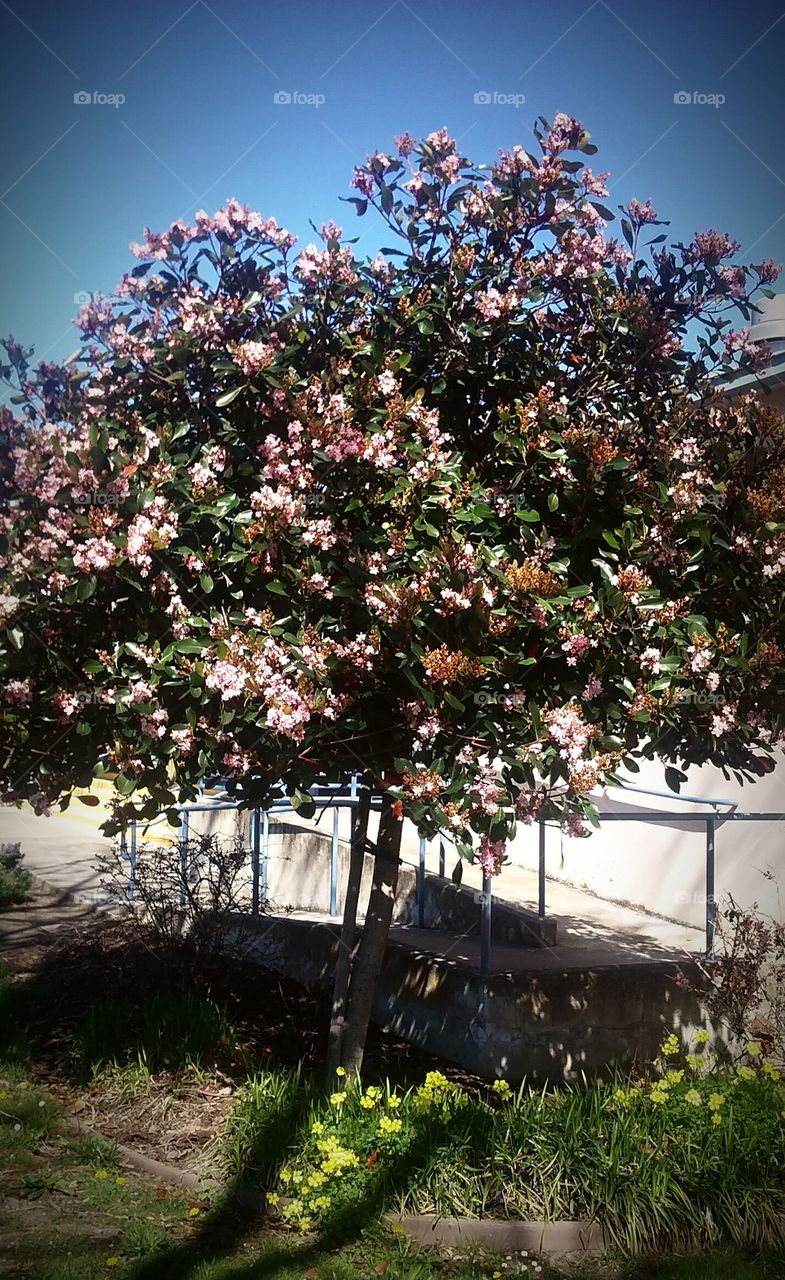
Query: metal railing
column 337, row 797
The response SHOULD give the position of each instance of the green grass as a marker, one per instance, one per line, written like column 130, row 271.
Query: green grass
column 656, row 1175
column 164, row 1033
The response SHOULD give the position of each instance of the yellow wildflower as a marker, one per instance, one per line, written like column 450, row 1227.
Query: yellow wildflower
column 337, row 1099
column 716, row 1100
column 113, row 1261
column 101, row 1174
column 702, row 1036
column 502, row 1088
column 716, row 1118
column 675, row 1077
column 670, row 1046
column 367, row 1103
column 273, row 1197
column 193, row 1213
column 769, row 1069
column 390, row 1124
column 693, row 1097
column 120, row 1182
column 340, row 1071
column 745, row 1072
column 754, row 1049
column 317, row 1127
column 394, row 1101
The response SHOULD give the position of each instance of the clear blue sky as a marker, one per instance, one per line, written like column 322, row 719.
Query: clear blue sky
column 199, row 122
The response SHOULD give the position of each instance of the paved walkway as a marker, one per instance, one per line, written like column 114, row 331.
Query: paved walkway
column 61, row 851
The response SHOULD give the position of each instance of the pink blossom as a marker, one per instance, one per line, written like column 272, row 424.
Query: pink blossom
column 228, row 679
column 650, row 660
column 17, row 693
column 491, row 855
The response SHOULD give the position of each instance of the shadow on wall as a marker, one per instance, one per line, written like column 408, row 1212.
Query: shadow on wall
column 542, row 1019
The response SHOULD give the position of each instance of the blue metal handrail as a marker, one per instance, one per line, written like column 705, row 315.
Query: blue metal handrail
column 340, row 796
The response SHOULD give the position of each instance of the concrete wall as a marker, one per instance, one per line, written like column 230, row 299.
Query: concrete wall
column 299, row 859
column 662, row 868
column 546, row 1024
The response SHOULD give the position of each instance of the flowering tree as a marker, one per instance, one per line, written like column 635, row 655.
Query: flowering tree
column 472, row 517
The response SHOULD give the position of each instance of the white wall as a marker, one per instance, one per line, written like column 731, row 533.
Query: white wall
column 662, row 868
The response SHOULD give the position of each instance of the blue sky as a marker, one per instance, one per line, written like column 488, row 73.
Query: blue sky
column 200, row 122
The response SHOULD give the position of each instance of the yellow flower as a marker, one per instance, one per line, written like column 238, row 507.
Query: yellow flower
column 193, row 1213
column 120, row 1182
column 367, row 1103
column 693, row 1097
column 297, row 1177
column 675, row 1077
column 694, row 1061
column 101, row 1174
column 286, row 1176
column 702, row 1036
column 273, row 1198
column 340, row 1071
column 670, row 1046
column 394, row 1101
column 754, row 1049
column 769, row 1069
column 112, row 1262
column 744, row 1072
column 716, row 1101
column 317, row 1127
column 390, row 1124
column 502, row 1088
column 716, row 1118
column 398, row 1228
column 337, row 1099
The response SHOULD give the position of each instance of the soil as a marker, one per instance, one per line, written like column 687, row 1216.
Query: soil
column 65, row 958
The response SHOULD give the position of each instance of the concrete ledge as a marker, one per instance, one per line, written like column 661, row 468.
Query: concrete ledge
column 556, row 1239
column 539, row 1018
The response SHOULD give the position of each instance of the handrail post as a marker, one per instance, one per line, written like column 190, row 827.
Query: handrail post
column 485, row 925
column 710, row 876
column 541, row 872
column 132, row 867
column 265, row 853
column 441, row 856
column 255, row 848
column 334, row 864
column 183, row 855
column 421, row 885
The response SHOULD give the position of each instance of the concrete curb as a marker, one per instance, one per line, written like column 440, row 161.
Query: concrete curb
column 156, row 1168
column 556, row 1239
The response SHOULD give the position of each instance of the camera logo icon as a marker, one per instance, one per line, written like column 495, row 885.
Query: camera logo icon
column 682, row 98
column 82, row 98
column 282, row 98
column 482, row 98
column 82, row 298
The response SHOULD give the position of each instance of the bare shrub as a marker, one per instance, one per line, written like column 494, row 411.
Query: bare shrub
column 185, row 892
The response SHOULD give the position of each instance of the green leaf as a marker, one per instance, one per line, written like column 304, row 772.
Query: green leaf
column 227, row 397
column 674, row 778
column 303, row 803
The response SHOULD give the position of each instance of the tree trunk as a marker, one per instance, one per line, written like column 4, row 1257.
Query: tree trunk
column 370, row 955
column 349, row 928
